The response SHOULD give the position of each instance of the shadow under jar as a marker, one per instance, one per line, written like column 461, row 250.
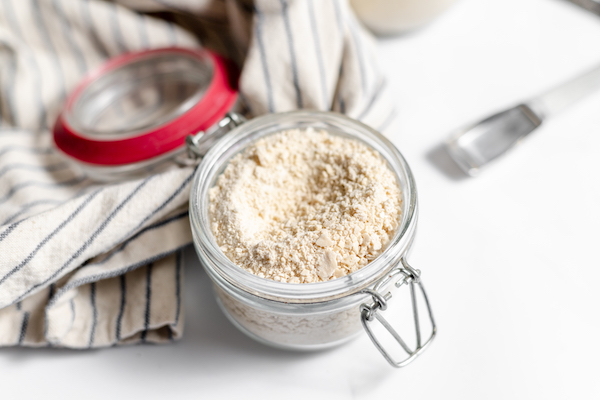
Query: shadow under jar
column 312, row 316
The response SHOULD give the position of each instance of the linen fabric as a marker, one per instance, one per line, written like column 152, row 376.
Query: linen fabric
column 85, row 264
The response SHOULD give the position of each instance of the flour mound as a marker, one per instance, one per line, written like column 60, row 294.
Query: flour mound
column 304, row 206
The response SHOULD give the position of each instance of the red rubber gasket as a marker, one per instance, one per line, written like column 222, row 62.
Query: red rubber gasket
column 218, row 99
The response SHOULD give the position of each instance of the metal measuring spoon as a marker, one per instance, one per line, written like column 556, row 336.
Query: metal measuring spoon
column 476, row 145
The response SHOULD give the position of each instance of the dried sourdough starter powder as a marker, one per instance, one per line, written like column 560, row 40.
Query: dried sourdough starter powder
column 306, row 329
column 305, row 206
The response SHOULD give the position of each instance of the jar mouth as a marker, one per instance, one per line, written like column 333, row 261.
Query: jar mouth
column 222, row 269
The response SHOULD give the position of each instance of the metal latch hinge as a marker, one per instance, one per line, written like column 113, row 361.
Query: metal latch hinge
column 198, row 144
column 403, row 274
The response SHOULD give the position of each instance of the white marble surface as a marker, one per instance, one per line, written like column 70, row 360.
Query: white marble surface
column 510, row 259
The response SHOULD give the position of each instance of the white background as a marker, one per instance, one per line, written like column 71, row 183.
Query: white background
column 511, row 259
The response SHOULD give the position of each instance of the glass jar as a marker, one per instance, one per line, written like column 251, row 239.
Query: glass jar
column 141, row 113
column 314, row 315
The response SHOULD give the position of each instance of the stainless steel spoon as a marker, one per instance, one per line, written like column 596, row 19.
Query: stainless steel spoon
column 476, row 145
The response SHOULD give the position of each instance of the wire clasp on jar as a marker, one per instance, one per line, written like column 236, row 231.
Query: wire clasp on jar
column 198, row 144
column 401, row 275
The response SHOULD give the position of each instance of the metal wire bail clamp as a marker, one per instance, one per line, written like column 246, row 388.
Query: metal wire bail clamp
column 197, row 145
column 405, row 275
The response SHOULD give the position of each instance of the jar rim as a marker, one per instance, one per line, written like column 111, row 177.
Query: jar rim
column 213, row 163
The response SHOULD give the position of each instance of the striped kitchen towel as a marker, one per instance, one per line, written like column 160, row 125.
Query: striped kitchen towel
column 85, row 264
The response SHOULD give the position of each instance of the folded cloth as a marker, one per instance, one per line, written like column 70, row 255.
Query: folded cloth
column 85, row 264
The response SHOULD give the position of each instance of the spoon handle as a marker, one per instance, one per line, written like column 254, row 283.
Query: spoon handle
column 559, row 98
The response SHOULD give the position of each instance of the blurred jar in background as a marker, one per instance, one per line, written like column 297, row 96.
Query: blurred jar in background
column 388, row 17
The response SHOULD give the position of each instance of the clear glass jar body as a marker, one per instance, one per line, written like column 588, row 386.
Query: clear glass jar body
column 296, row 316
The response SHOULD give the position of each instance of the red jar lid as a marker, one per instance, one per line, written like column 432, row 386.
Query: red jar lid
column 139, row 106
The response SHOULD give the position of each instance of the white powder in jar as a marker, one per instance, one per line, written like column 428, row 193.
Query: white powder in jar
column 304, row 206
column 293, row 330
